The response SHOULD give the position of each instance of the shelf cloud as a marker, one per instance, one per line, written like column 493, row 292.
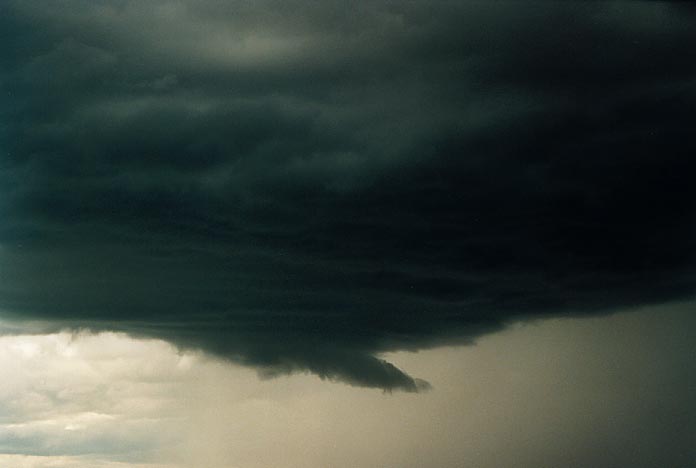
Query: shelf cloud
column 300, row 186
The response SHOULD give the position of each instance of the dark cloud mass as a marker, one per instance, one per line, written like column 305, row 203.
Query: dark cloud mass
column 300, row 185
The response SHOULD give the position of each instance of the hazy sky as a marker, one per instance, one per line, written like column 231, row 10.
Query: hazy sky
column 320, row 187
column 604, row 392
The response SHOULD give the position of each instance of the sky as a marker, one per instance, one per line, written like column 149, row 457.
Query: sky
column 333, row 204
column 602, row 392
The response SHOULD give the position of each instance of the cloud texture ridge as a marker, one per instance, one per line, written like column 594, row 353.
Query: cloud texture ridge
column 300, row 186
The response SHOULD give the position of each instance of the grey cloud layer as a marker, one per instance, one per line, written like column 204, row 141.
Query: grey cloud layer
column 298, row 186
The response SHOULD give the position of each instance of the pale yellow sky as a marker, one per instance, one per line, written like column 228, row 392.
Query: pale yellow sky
column 561, row 392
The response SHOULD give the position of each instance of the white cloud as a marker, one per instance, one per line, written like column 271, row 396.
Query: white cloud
column 71, row 394
column 27, row 461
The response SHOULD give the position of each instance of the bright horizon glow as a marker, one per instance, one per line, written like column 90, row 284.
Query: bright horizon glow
column 108, row 400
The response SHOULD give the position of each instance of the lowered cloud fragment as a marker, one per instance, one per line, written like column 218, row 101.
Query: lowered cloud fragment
column 300, row 187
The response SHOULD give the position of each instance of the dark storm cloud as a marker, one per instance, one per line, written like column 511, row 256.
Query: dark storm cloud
column 298, row 186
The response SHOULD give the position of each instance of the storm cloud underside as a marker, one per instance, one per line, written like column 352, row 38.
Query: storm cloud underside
column 300, row 186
